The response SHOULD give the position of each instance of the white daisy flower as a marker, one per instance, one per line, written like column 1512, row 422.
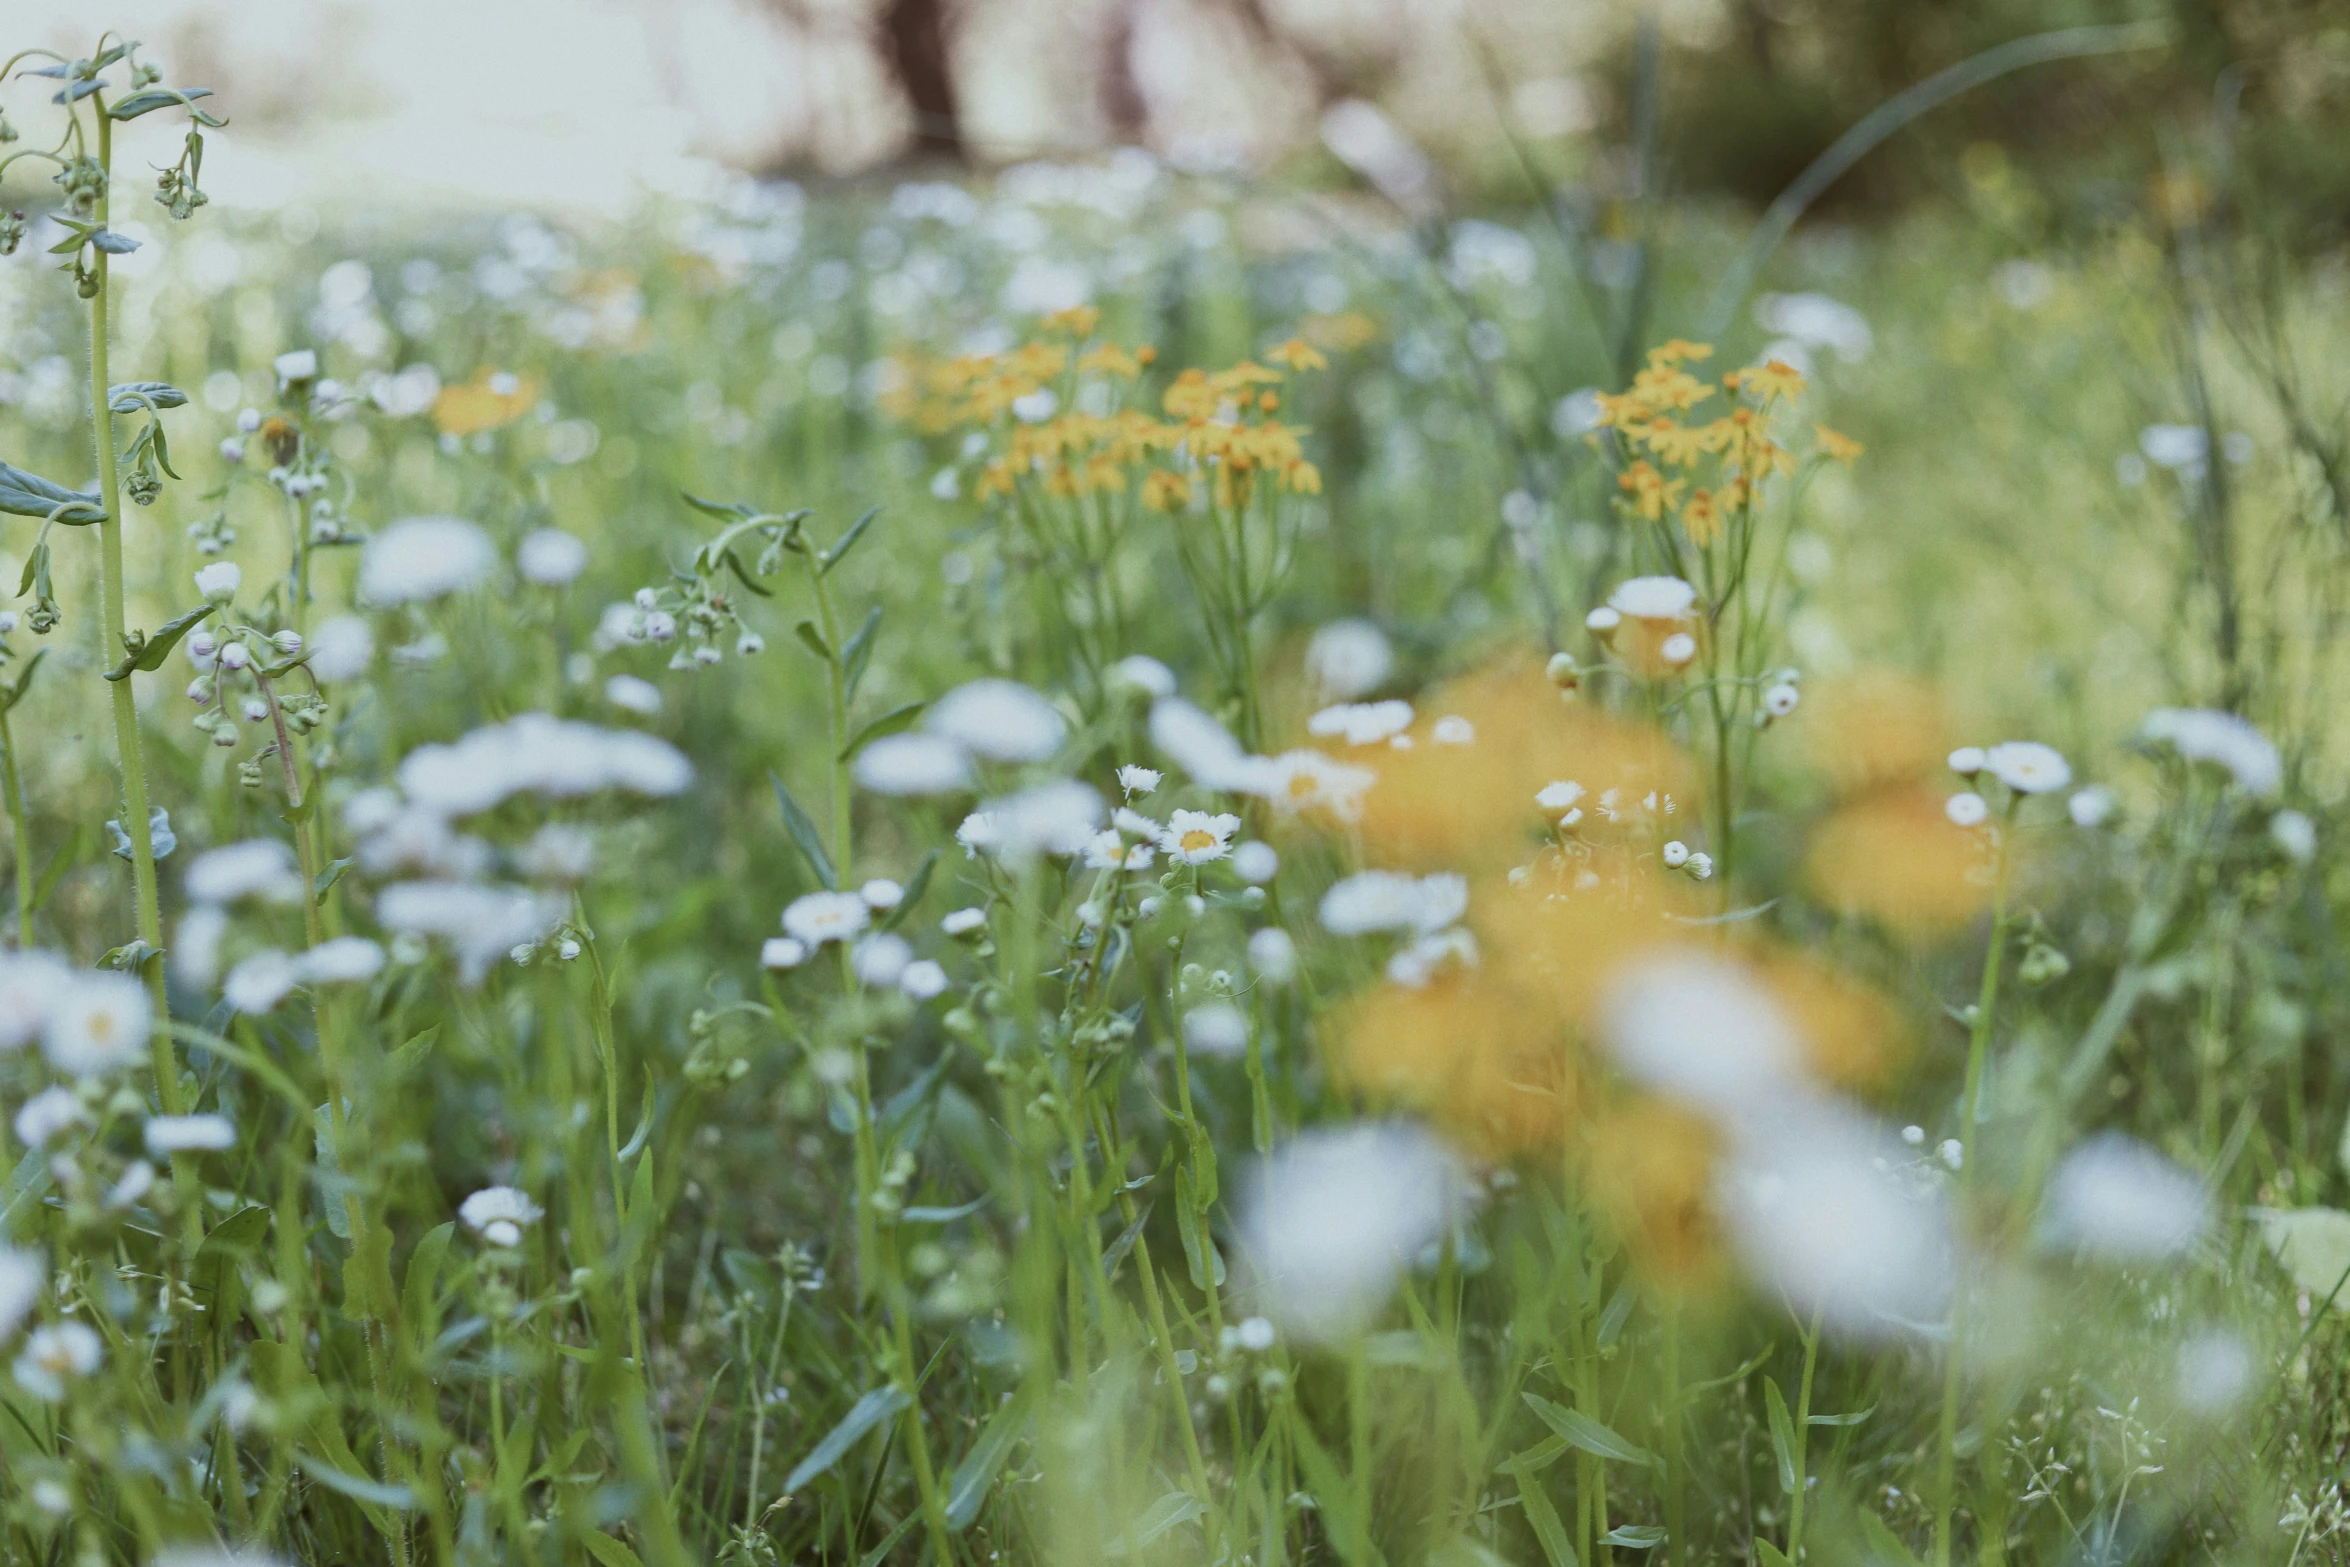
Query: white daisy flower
column 1310, row 780
column 96, row 1023
column 2116, row 1198
column 219, row 581
column 1058, row 818
column 1256, row 862
column 636, row 695
column 1362, row 723
column 2028, row 767
column 260, row 982
column 2202, row 735
column 881, row 893
column 55, row 1355
column 1143, row 673
column 1603, row 620
column 169, row 1134
column 51, row 1111
column 1347, row 658
column 1968, row 760
column 499, row 1214
column 1196, row 837
column 923, row 980
column 1273, row 954
column 24, row 1279
column 819, row 917
column 1966, row 808
column 256, row 868
column 1001, row 720
column 1653, row 598
column 914, row 764
column 421, row 558
column 962, row 922
column 1391, row 900
column 1558, row 797
column 550, row 557
column 879, row 961
column 1133, row 780
column 1676, row 854
column 782, row 952
column 2091, row 807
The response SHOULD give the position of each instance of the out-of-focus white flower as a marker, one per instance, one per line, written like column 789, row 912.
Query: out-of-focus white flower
column 96, row 1023
column 914, row 764
column 1058, row 818
column 1108, row 851
column 1677, row 649
column 1362, row 723
column 1216, row 1029
column 340, row 960
column 1309, row 780
column 819, row 917
column 2028, row 767
column 1653, row 598
column 1415, row 965
column 1676, row 854
column 2116, row 1198
column 962, row 922
column 1603, row 620
column 1453, row 729
column 538, row 754
column 635, row 695
column 2175, row 446
column 2296, row 834
column 29, row 982
column 256, row 868
column 1133, row 780
column 1348, row 658
column 421, row 558
column 24, row 1278
column 1966, row 808
column 47, row 1113
column 1703, row 1030
column 1557, row 799
column 1001, row 720
column 1196, row 837
column 1143, row 673
column 1781, row 699
column 2214, row 1372
column 1391, row 900
column 882, row 893
column 299, row 365
column 1817, row 321
column 1256, row 862
column 138, row 1179
column 923, row 980
column 215, row 1556
column 53, row 1356
column 879, row 961
column 978, row 833
column 1254, row 1334
column 259, row 982
column 1273, row 954
column 2091, row 807
column 499, row 1214
column 219, row 581
column 558, row 852
column 1201, row 746
column 1816, row 1210
column 550, row 557
column 1701, row 866
column 341, row 648
column 2203, row 735
column 782, row 952
column 1329, row 1221
column 481, row 923
column 169, row 1134
column 1968, row 760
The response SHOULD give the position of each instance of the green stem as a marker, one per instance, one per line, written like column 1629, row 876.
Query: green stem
column 23, row 837
column 1811, row 1356
column 836, row 713
column 1978, row 1048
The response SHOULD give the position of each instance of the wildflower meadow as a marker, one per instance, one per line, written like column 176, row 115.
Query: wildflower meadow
column 1103, row 862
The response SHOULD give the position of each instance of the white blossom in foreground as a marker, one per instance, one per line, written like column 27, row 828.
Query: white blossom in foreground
column 481, row 923
column 2215, row 1370
column 259, row 982
column 23, row 1279
column 1701, row 1029
column 539, row 754
column 633, row 694
column 261, row 868
column 819, row 917
column 913, row 765
column 168, row 1134
column 1392, row 900
column 923, row 980
column 1362, row 723
column 2114, row 1197
column 550, row 557
column 2092, row 807
column 1819, row 1213
column 29, row 981
column 1348, row 658
column 340, row 960
column 1653, row 598
column 1001, row 720
column 1202, row 747
column 96, row 1023
column 54, row 1356
column 2202, row 735
column 422, row 558
column 48, row 1113
column 1256, row 862
column 499, row 1213
column 1216, row 1029
column 1329, row 1221
column 341, row 648
column 1143, row 673
column 2295, row 834
column 879, row 961
column 1308, row 780
column 1273, row 954
column 2028, row 767
column 1058, row 818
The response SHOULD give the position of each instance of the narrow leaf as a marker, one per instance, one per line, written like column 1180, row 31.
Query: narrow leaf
column 1770, row 1555
column 968, row 1488
column 896, row 720
column 942, row 1215
column 610, row 1552
column 733, row 511
column 1634, row 1537
column 158, row 647
column 1543, row 1518
column 859, row 652
column 866, row 1413
column 30, row 495
column 916, row 885
column 814, row 639
column 1782, row 1435
column 357, row 1487
column 1580, row 1430
column 154, row 98
column 1885, row 1547
column 1853, row 1419
column 847, row 541
column 131, row 396
column 803, row 832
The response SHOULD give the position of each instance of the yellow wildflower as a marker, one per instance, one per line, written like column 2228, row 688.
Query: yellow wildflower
column 1702, row 517
column 488, row 401
column 1298, row 354
column 1841, row 447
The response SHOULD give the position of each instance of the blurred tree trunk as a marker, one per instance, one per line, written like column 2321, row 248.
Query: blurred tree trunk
column 915, row 43
column 1125, row 111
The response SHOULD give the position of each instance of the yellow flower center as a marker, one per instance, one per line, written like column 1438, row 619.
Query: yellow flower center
column 1196, row 840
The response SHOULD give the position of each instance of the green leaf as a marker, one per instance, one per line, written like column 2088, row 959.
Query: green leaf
column 859, row 652
column 1885, row 1547
column 130, row 396
column 112, row 243
column 1543, row 1519
column 1634, row 1537
column 1618, row 1311
column 411, row 1055
column 1853, row 1419
column 896, row 720
column 328, row 877
column 1770, row 1555
column 609, row 1551
column 803, row 832
column 968, row 1487
column 424, row 1277
column 1782, row 1435
column 75, row 92
column 1577, row 1429
column 357, row 1487
column 1115, row 1257
column 235, row 1235
column 846, row 542
column 732, row 511
column 814, row 640
column 744, row 577
column 15, row 693
column 916, row 885
column 876, row 1406
column 30, row 495
column 33, row 565
column 942, row 1215
column 1176, row 1507
column 154, row 98
column 151, row 653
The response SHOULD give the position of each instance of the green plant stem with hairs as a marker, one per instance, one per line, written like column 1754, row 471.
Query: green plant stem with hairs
column 1978, row 1049
column 21, row 842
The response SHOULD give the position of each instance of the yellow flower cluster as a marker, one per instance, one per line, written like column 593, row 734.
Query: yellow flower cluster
column 1653, row 416
column 1219, row 427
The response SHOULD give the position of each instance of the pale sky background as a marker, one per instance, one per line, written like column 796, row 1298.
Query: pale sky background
column 579, row 103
